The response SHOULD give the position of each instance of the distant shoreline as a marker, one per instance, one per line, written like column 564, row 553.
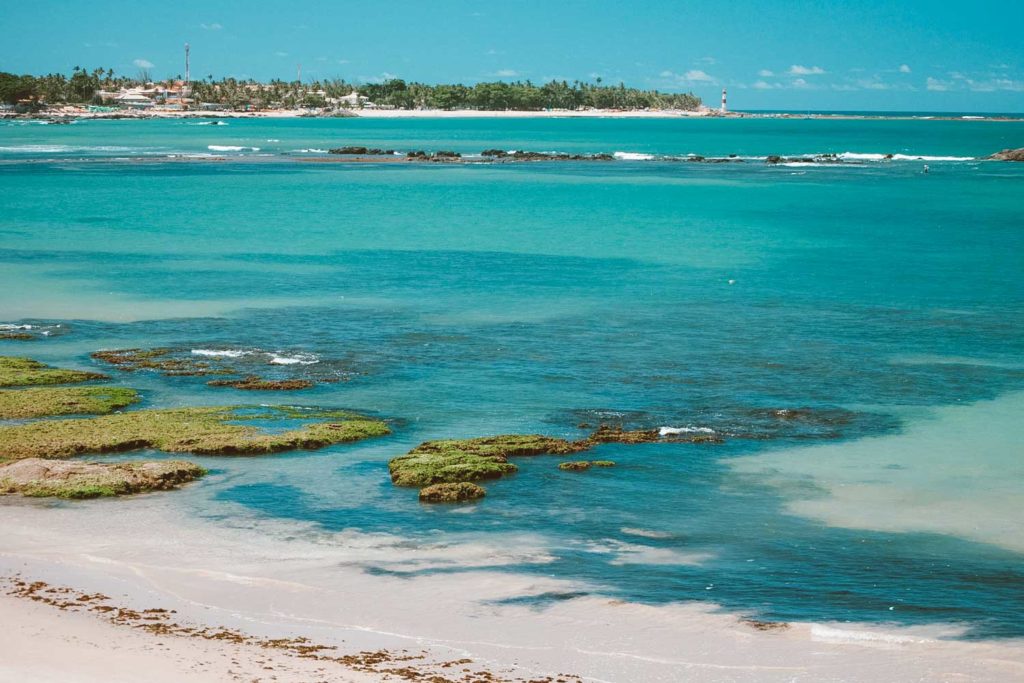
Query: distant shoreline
column 76, row 113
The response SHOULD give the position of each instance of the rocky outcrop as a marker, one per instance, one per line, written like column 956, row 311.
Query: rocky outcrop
column 255, row 383
column 457, row 492
column 361, row 151
column 1009, row 155
column 45, row 401
column 67, row 479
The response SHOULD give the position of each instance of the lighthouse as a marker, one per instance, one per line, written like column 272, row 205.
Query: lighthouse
column 723, row 110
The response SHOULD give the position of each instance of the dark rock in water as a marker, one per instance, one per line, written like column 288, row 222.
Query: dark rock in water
column 773, row 159
column 695, row 157
column 494, row 153
column 1009, row 155
column 256, row 383
column 456, row 492
column 419, row 154
column 446, row 154
column 606, row 434
column 360, row 151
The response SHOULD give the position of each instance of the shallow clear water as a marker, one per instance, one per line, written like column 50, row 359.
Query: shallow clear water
column 480, row 299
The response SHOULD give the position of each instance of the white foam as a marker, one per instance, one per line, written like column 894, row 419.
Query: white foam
column 668, row 431
column 221, row 353
column 830, row 634
column 633, row 156
column 861, row 156
column 297, row 359
column 311, row 150
column 644, row 533
column 10, row 326
column 231, row 148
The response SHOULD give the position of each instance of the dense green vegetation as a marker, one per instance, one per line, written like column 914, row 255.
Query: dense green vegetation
column 83, row 86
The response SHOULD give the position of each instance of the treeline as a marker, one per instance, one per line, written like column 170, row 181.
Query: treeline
column 83, row 86
column 523, row 95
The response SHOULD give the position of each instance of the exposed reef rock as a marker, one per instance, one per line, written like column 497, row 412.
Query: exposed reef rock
column 610, row 434
column 361, row 151
column 42, row 401
column 21, row 372
column 66, row 479
column 461, row 460
column 253, row 369
column 1009, row 155
column 520, row 155
column 582, row 465
column 254, row 383
column 452, row 493
column 202, row 430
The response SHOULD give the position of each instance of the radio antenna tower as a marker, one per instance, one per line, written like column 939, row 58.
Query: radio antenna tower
column 187, row 79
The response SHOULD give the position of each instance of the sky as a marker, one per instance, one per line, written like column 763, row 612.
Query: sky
column 869, row 55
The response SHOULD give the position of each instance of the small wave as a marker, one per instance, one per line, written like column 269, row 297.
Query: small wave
column 208, row 123
column 231, row 148
column 310, row 150
column 669, row 431
column 12, row 326
column 296, row 359
column 221, row 353
column 273, row 140
column 633, row 156
column 820, row 632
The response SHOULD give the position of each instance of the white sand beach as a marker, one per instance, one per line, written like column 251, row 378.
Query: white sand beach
column 275, row 580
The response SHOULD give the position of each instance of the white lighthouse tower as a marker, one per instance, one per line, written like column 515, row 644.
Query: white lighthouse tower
column 723, row 109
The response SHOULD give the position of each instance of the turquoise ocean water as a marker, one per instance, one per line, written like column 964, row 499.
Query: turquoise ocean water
column 466, row 300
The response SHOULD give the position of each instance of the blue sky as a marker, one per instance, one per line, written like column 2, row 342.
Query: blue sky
column 933, row 55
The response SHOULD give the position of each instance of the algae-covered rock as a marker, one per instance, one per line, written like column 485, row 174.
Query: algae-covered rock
column 203, row 430
column 42, row 401
column 602, row 463
column 66, row 479
column 256, row 383
column 452, row 493
column 607, row 434
column 16, row 371
column 458, row 460
column 574, row 466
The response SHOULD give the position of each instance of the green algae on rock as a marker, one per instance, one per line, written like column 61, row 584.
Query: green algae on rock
column 43, row 401
column 16, row 371
column 201, row 430
column 40, row 478
column 467, row 460
column 574, row 466
column 452, row 492
column 256, row 383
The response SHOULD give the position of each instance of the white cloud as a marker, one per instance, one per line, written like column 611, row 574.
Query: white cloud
column 873, row 84
column 798, row 70
column 764, row 85
column 904, row 69
column 765, row 73
column 279, row 53
column 698, row 75
column 143, row 63
column 936, row 85
column 506, row 73
column 211, row 27
column 799, row 83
